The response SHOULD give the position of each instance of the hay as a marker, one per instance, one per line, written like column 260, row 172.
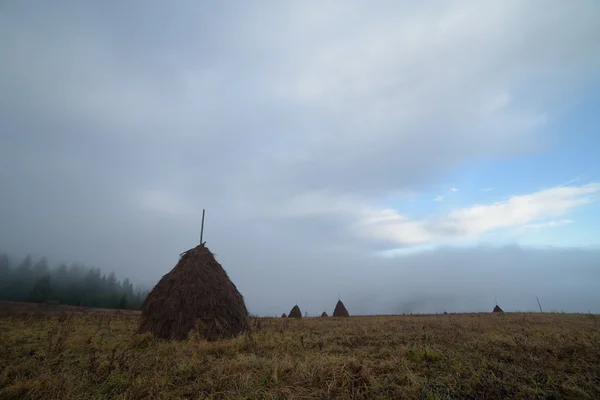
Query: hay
column 283, row 315
column 324, row 315
column 295, row 312
column 197, row 293
column 340, row 310
column 497, row 309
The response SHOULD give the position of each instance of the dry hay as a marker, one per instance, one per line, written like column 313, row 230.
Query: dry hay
column 283, row 315
column 340, row 310
column 497, row 309
column 295, row 312
column 324, row 314
column 197, row 293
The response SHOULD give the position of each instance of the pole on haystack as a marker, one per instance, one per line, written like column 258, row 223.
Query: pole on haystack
column 538, row 300
column 202, row 227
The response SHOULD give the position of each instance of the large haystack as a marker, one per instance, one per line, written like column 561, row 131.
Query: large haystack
column 324, row 315
column 497, row 309
column 295, row 312
column 196, row 293
column 340, row 310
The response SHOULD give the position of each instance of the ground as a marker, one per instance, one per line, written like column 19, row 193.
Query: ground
column 469, row 356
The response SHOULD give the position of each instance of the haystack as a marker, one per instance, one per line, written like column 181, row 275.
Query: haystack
column 497, row 309
column 340, row 310
column 324, row 314
column 283, row 315
column 295, row 312
column 197, row 293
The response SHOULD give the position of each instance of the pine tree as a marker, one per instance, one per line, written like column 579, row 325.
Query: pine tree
column 6, row 277
column 42, row 290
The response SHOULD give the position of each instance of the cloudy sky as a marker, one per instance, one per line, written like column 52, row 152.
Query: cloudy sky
column 411, row 156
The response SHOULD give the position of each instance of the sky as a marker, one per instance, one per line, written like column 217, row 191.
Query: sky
column 405, row 156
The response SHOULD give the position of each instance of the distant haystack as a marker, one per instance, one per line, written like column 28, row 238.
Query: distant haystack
column 196, row 293
column 283, row 315
column 295, row 312
column 497, row 309
column 340, row 310
column 324, row 314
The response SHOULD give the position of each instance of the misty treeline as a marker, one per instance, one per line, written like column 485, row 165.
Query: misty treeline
column 78, row 285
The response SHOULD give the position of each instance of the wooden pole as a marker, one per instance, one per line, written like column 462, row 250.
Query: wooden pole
column 538, row 299
column 202, row 227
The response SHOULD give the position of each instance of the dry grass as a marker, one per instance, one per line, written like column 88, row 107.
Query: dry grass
column 478, row 356
column 11, row 308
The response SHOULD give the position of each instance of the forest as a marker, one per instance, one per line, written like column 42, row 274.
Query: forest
column 35, row 281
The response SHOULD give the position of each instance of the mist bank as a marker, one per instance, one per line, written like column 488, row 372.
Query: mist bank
column 451, row 279
column 440, row 280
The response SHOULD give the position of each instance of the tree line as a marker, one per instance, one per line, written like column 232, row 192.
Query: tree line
column 73, row 284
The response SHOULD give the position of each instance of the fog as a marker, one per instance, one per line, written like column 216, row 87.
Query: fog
column 297, row 126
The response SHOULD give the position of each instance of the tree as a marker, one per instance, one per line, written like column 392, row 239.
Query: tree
column 123, row 302
column 111, row 282
column 5, row 277
column 4, row 265
column 42, row 290
column 75, row 285
column 40, row 268
column 23, row 280
column 92, row 286
column 127, row 287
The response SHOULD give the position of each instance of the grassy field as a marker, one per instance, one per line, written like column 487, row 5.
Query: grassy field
column 472, row 356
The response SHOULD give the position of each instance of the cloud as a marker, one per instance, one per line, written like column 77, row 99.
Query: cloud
column 518, row 210
column 389, row 226
column 338, row 113
column 160, row 202
column 495, row 103
column 487, row 189
column 441, row 198
column 550, row 224
column 572, row 181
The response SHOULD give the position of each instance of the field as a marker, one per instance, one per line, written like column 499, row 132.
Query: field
column 469, row 356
